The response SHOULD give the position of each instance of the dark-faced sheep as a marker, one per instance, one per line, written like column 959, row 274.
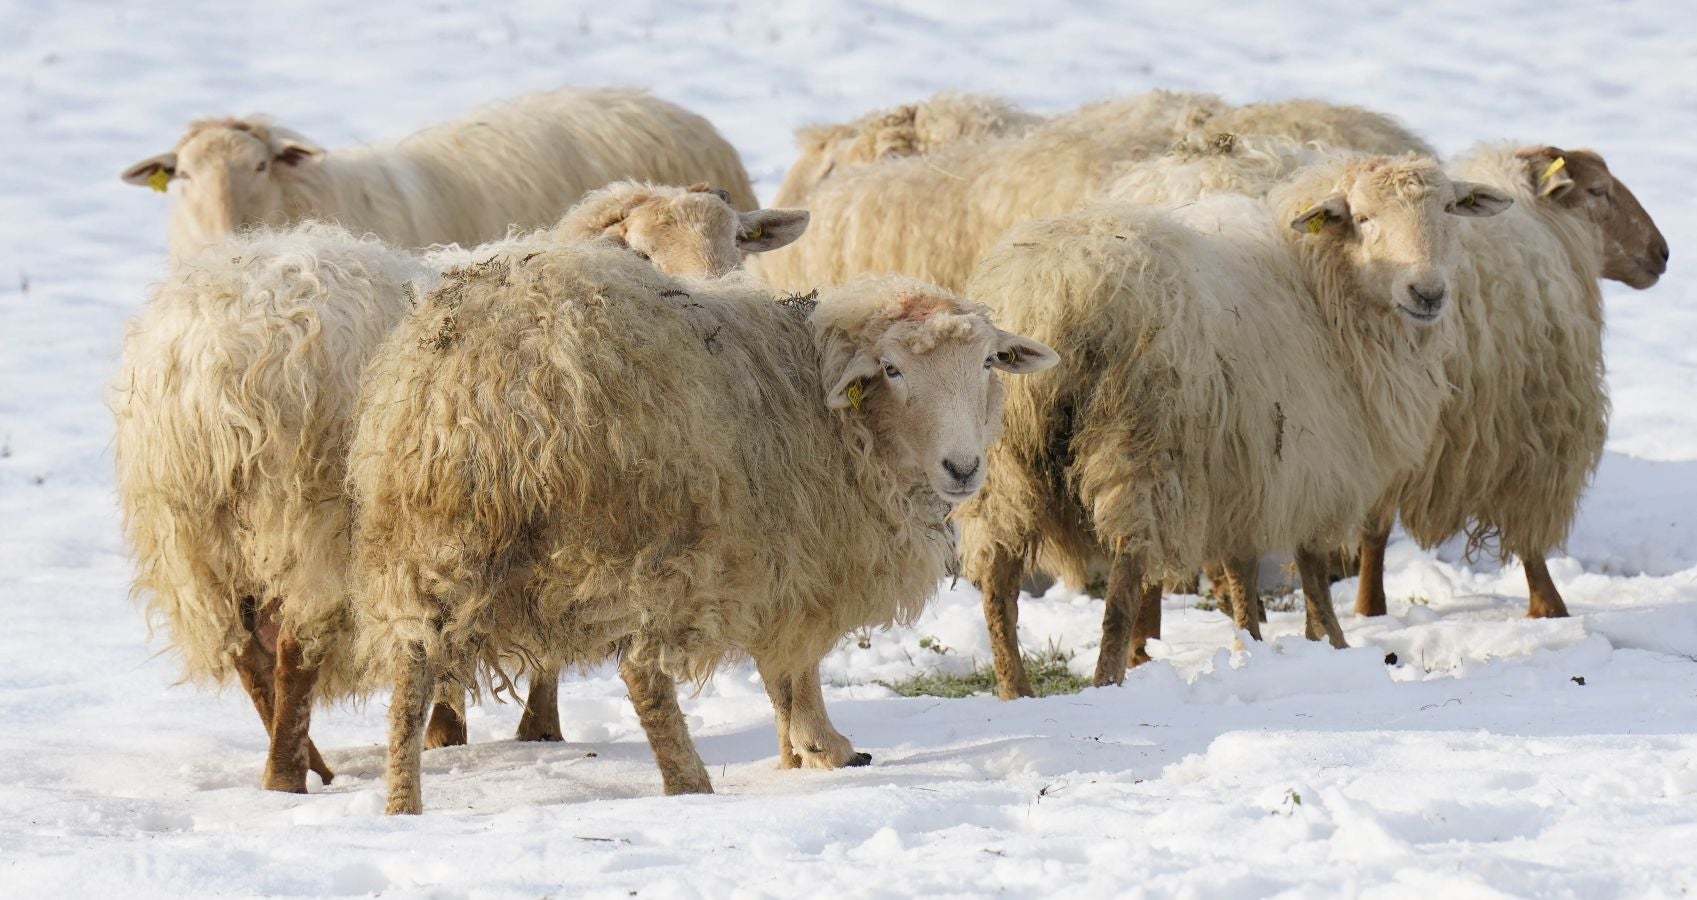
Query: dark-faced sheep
column 1519, row 440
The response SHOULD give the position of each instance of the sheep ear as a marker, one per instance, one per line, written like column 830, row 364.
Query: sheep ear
column 1314, row 218
column 1021, row 355
column 1548, row 169
column 152, row 172
column 291, row 149
column 1478, row 200
column 850, row 388
column 768, row 229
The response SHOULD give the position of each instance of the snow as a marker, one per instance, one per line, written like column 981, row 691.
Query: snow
column 1476, row 766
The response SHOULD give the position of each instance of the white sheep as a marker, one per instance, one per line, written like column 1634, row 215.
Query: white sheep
column 1239, row 375
column 932, row 217
column 1520, row 438
column 234, row 408
column 568, row 456
column 911, row 129
column 517, row 164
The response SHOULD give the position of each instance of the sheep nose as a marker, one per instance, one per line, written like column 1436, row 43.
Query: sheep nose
column 1428, row 297
column 1661, row 254
column 960, row 472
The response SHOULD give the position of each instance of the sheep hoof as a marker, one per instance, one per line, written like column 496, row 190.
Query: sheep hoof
column 446, row 728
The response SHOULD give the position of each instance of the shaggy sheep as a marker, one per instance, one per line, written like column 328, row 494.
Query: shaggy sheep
column 516, row 164
column 912, row 129
column 952, row 205
column 234, row 407
column 1239, row 375
column 1519, row 439
column 568, row 456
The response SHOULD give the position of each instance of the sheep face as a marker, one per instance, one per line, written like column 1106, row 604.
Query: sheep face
column 926, row 388
column 1392, row 225
column 1634, row 251
column 226, row 174
column 697, row 232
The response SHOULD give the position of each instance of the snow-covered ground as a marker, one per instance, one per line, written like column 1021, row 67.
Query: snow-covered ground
column 1477, row 766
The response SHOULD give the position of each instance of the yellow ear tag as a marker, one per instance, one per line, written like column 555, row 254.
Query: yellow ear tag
column 1316, row 224
column 854, row 394
column 158, row 180
column 753, row 234
column 1553, row 168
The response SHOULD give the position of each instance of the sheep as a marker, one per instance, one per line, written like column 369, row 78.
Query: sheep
column 953, row 204
column 1519, row 439
column 1230, row 384
column 515, row 164
column 234, row 407
column 911, row 129
column 1330, row 124
column 570, row 456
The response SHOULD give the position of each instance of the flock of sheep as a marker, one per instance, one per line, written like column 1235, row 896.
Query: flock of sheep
column 390, row 419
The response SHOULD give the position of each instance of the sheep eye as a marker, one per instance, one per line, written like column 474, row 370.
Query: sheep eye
column 1362, row 220
column 642, row 256
column 991, row 359
column 180, row 174
column 891, row 371
column 1601, row 190
column 261, row 167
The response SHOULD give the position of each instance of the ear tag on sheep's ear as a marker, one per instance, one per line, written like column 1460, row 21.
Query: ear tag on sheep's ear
column 1554, row 167
column 855, row 393
column 158, row 180
column 753, row 234
column 1316, row 224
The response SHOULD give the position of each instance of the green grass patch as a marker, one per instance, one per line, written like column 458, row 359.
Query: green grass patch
column 1047, row 670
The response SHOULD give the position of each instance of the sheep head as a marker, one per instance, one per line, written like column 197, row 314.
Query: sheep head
column 227, row 172
column 682, row 231
column 914, row 364
column 1634, row 251
column 1391, row 224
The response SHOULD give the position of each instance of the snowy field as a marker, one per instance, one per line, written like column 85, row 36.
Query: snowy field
column 1477, row 766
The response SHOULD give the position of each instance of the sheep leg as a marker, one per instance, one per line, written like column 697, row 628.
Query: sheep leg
column 254, row 667
column 291, row 717
column 812, row 736
column 1125, row 595
column 541, row 719
column 1215, row 572
column 1317, row 597
column 655, row 697
column 447, row 719
column 1147, row 623
column 781, row 690
column 406, row 732
column 1240, row 577
column 1001, row 614
column 1370, row 593
column 1545, row 601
